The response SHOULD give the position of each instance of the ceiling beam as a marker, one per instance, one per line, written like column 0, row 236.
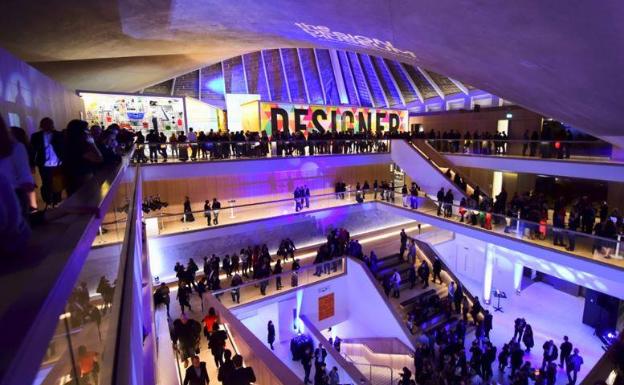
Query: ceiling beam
column 411, row 82
column 460, row 85
column 393, row 80
column 437, row 88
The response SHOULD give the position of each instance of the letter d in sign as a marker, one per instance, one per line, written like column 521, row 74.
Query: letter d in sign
column 275, row 113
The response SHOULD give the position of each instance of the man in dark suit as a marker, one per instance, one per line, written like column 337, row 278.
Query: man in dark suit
column 227, row 369
column 47, row 153
column 197, row 373
column 241, row 375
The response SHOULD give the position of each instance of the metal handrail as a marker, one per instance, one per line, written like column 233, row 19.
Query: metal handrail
column 282, row 275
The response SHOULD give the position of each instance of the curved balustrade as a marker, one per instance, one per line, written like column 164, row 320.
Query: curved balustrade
column 235, row 150
column 586, row 150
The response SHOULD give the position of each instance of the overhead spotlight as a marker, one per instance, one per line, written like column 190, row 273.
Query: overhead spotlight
column 509, row 115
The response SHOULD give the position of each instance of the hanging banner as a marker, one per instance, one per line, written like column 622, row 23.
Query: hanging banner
column 277, row 117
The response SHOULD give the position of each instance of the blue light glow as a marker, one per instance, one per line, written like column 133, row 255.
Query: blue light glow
column 216, row 85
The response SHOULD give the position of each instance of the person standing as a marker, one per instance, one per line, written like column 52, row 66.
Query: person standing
column 153, row 142
column 192, row 139
column 161, row 295
column 412, row 276
column 237, row 280
column 216, row 343
column 47, row 152
column 196, row 374
column 242, row 375
column 525, row 143
column 227, row 369
column 184, row 296
column 411, row 252
column 564, row 351
column 573, row 225
column 573, row 366
column 207, row 212
column 396, row 284
column 306, row 361
column 423, row 272
column 440, row 197
column 271, row 334
column 550, row 353
column 188, row 211
column 334, row 378
column 277, row 271
column 88, row 364
column 437, row 269
column 306, row 194
column 487, row 323
column 216, row 206
column 403, row 243
column 503, row 358
column 185, row 337
column 527, row 338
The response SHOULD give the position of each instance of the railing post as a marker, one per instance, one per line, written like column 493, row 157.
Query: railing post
column 231, row 202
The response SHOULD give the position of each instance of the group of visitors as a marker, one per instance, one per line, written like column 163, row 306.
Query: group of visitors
column 65, row 160
column 475, row 143
column 213, row 145
column 186, row 335
column 409, row 196
column 318, row 357
column 338, row 244
column 251, row 263
column 442, row 355
column 445, row 202
column 301, row 196
column 533, row 144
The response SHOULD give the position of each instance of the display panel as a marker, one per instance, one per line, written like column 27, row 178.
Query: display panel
column 136, row 112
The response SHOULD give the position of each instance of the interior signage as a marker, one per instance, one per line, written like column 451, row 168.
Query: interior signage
column 277, row 117
column 326, row 306
column 325, row 33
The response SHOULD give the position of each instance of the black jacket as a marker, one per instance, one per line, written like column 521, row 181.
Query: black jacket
column 191, row 377
column 243, row 376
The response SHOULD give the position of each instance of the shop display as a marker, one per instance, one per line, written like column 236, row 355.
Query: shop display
column 136, row 112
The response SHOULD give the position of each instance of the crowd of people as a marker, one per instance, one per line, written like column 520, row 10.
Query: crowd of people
column 533, row 143
column 64, row 160
column 529, row 213
column 199, row 145
column 186, row 335
column 442, row 357
column 252, row 264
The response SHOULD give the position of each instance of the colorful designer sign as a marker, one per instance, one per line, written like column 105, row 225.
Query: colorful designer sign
column 276, row 117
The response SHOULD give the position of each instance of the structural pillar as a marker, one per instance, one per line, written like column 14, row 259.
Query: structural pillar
column 489, row 270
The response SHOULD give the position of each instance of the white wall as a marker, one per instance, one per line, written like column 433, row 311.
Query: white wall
column 360, row 310
column 420, row 170
column 201, row 116
column 568, row 168
column 27, row 95
column 467, row 258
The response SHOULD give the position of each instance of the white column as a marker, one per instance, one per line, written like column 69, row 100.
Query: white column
column 518, row 270
column 489, row 270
